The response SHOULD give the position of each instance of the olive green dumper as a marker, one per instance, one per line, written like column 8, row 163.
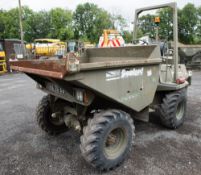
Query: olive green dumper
column 100, row 93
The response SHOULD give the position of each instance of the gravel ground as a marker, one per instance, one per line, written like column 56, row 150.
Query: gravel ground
column 25, row 149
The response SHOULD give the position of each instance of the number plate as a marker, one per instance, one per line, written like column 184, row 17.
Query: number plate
column 55, row 88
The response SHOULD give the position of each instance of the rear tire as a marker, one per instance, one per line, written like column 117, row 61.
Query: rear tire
column 44, row 119
column 107, row 139
column 172, row 111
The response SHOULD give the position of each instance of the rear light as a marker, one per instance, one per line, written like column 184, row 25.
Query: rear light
column 81, row 95
column 181, row 80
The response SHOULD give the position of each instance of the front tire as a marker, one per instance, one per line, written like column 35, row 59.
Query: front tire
column 44, row 119
column 172, row 111
column 107, row 139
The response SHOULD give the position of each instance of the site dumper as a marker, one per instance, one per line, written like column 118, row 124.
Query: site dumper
column 100, row 93
column 190, row 55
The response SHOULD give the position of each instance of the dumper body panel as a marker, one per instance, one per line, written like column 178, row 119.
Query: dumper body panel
column 133, row 87
column 129, row 76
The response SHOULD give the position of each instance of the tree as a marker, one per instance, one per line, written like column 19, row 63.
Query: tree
column 11, row 25
column 61, row 24
column 2, row 23
column 187, row 23
column 119, row 23
column 28, row 26
column 37, row 26
column 56, row 23
column 166, row 24
column 146, row 25
column 198, row 29
column 90, row 21
column 128, row 36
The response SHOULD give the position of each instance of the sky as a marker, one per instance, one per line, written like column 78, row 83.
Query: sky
column 124, row 7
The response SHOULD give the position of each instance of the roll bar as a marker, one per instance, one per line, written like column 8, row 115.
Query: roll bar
column 172, row 5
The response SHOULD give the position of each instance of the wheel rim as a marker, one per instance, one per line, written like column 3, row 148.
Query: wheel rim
column 57, row 120
column 115, row 143
column 180, row 111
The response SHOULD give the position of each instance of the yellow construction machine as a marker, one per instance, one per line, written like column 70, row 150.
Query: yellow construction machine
column 2, row 60
column 111, row 38
column 47, row 47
